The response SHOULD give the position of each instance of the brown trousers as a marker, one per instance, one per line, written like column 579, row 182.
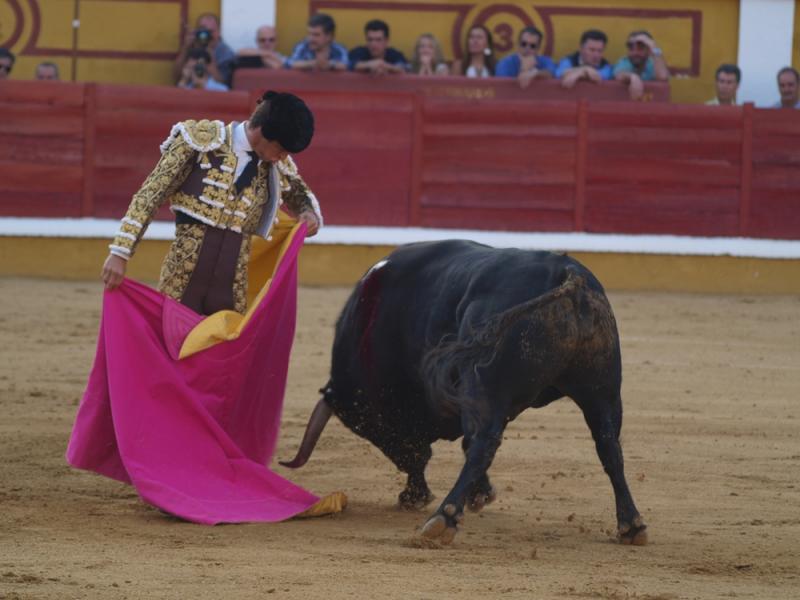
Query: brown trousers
column 210, row 287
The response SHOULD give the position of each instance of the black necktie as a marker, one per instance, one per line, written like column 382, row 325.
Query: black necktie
column 248, row 173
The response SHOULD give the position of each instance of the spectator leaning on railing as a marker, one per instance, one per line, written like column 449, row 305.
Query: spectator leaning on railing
column 428, row 58
column 7, row 59
column 644, row 62
column 377, row 58
column 789, row 88
column 264, row 55
column 526, row 64
column 479, row 59
column 588, row 62
column 196, row 75
column 46, row 71
column 726, row 84
column 206, row 36
column 319, row 51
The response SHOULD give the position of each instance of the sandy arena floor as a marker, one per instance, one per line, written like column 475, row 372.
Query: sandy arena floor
column 711, row 439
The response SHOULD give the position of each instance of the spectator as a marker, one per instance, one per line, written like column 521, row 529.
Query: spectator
column 479, row 53
column 377, row 58
column 318, row 52
column 526, row 64
column 47, row 71
column 206, row 36
column 428, row 58
column 644, row 62
column 7, row 59
column 788, row 80
column 196, row 74
column 588, row 62
column 264, row 54
column 726, row 82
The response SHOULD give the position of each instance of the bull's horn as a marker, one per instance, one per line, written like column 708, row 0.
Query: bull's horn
column 319, row 418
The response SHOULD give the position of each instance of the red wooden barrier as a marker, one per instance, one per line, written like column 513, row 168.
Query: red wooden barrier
column 41, row 148
column 775, row 195
column 402, row 157
column 663, row 169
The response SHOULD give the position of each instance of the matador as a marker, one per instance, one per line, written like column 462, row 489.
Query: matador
column 224, row 182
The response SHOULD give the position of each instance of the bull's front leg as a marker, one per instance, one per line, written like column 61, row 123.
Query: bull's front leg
column 412, row 460
column 416, row 494
column 483, row 444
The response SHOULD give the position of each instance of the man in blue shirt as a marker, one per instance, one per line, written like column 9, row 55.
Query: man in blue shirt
column 318, row 52
column 526, row 64
column 376, row 57
column 644, row 62
column 588, row 62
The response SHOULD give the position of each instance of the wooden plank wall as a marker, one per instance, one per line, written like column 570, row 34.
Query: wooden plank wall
column 42, row 149
column 399, row 158
column 359, row 164
column 651, row 170
column 774, row 209
column 498, row 165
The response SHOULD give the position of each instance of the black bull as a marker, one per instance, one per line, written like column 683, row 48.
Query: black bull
column 453, row 338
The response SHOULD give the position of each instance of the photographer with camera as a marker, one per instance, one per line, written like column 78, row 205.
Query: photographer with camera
column 196, row 75
column 206, row 36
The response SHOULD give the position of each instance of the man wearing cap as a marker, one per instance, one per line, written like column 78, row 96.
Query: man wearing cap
column 645, row 62
column 224, row 183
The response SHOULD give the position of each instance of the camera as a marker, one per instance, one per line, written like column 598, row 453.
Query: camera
column 200, row 69
column 203, row 36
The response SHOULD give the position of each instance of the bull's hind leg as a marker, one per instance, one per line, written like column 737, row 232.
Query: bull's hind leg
column 482, row 492
column 483, row 444
column 603, row 413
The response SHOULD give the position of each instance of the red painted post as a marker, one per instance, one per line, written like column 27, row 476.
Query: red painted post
column 746, row 182
column 581, row 150
column 89, row 132
column 415, row 191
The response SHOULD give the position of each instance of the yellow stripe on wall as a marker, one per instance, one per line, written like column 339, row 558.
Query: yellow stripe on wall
column 340, row 265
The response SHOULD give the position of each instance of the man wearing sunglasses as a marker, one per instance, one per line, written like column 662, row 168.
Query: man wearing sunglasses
column 264, row 54
column 7, row 59
column 644, row 62
column 526, row 64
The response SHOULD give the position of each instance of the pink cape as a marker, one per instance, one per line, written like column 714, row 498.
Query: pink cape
column 191, row 435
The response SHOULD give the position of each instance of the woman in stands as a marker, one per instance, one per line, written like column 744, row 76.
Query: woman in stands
column 428, row 58
column 479, row 58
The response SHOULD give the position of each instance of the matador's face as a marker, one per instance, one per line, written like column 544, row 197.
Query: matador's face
column 267, row 150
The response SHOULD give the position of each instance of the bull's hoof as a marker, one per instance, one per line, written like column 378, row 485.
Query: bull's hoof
column 481, row 498
column 411, row 499
column 443, row 525
column 634, row 534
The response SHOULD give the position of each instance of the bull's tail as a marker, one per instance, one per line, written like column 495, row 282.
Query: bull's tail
column 444, row 366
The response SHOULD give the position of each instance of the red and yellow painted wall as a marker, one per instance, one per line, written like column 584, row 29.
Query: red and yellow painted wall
column 134, row 41
column 118, row 41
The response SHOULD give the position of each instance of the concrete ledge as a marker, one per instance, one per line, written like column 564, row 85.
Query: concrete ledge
column 342, row 265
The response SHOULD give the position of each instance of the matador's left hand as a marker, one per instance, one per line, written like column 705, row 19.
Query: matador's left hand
column 311, row 220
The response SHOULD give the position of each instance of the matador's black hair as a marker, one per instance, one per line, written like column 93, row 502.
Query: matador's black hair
column 284, row 118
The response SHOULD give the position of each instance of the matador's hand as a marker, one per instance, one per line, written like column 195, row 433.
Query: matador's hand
column 311, row 220
column 114, row 271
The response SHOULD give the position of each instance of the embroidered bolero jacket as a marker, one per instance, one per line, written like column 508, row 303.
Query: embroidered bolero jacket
column 196, row 174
